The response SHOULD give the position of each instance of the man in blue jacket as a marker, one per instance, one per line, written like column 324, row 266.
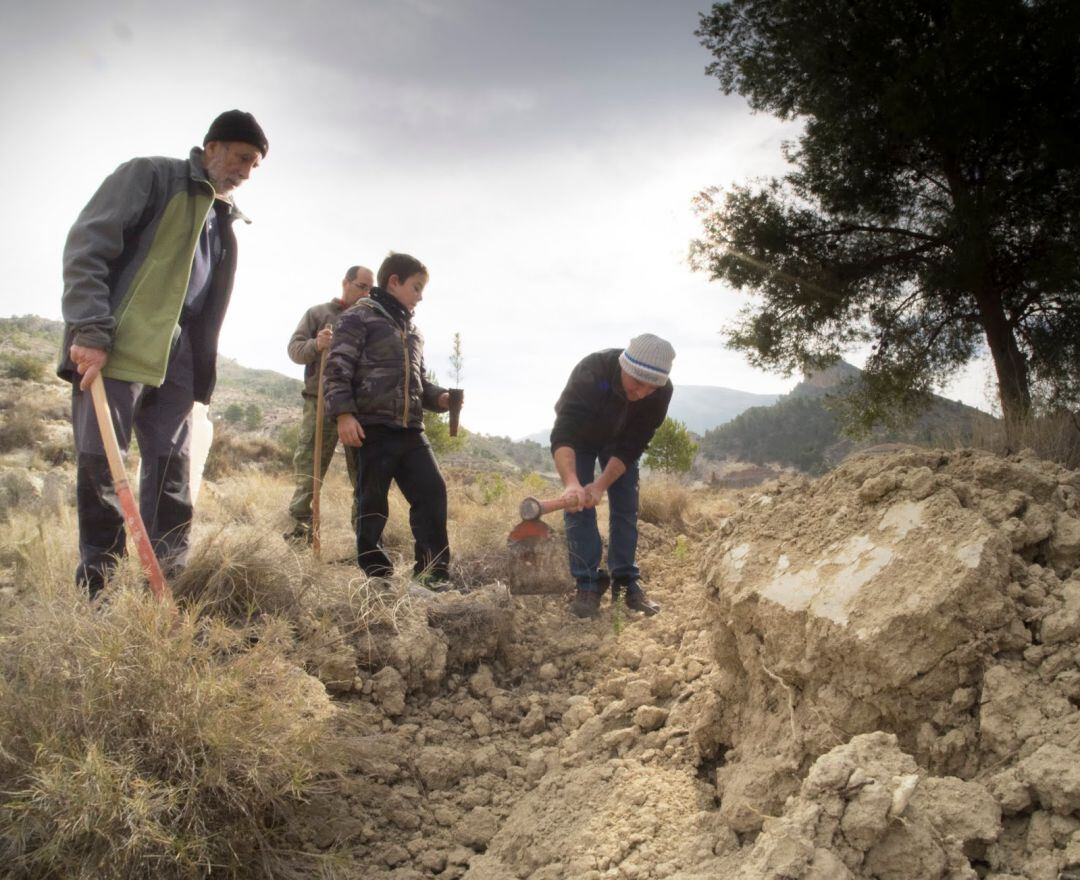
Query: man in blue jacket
column 608, row 412
column 148, row 272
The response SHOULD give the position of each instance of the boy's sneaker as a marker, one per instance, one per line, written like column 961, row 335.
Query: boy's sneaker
column 586, row 603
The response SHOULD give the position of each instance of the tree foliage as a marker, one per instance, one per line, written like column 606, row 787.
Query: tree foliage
column 932, row 208
column 437, row 428
column 671, row 449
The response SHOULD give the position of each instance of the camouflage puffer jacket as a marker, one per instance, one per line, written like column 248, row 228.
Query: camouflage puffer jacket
column 375, row 369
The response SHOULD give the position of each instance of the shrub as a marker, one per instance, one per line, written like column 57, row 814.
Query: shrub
column 25, row 367
column 138, row 742
column 253, row 416
column 20, row 430
column 671, row 449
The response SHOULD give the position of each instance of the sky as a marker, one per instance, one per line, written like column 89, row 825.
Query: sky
column 539, row 156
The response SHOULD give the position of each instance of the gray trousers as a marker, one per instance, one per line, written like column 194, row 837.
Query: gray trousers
column 161, row 421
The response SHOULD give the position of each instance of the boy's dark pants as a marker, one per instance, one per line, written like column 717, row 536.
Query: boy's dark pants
column 405, row 457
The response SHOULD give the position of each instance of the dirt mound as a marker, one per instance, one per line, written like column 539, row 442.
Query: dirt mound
column 932, row 596
column 871, row 675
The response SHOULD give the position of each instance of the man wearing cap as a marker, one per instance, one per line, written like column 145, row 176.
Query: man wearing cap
column 608, row 412
column 148, row 271
column 310, row 339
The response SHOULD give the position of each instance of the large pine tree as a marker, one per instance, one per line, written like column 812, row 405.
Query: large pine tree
column 933, row 202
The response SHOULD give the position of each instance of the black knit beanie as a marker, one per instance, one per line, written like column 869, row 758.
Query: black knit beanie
column 236, row 125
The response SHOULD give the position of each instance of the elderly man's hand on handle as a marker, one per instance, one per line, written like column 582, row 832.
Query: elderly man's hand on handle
column 89, row 362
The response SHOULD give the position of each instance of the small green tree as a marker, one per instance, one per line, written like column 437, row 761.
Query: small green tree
column 252, row 416
column 672, row 450
column 437, row 428
column 234, row 414
column 457, row 361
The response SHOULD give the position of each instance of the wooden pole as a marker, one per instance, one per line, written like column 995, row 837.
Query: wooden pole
column 316, row 477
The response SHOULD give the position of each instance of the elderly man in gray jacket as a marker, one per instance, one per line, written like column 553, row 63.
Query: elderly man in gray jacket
column 148, row 273
column 310, row 339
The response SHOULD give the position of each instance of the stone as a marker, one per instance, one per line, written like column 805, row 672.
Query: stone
column 637, row 693
column 648, row 718
column 577, row 714
column 481, row 724
column 534, row 722
column 1012, row 794
column 388, row 689
column 476, row 828
column 1063, row 624
column 440, row 768
column 482, row 682
column 395, row 855
column 1053, row 773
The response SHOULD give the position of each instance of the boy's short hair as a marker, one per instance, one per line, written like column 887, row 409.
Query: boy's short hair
column 401, row 265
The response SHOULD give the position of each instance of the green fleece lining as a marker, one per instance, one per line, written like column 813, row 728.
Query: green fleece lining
column 151, row 307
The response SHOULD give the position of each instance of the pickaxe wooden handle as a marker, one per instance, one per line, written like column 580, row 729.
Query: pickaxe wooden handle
column 132, row 519
column 316, row 477
column 534, row 508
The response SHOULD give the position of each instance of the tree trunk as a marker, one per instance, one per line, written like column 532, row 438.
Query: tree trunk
column 1014, row 391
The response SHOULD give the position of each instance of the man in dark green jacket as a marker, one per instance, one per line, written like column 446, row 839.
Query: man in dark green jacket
column 310, row 339
column 148, row 272
column 612, row 405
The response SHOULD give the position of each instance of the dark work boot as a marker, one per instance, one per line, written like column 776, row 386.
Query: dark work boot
column 636, row 600
column 586, row 603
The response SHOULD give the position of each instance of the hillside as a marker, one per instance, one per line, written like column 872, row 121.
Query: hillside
column 801, row 431
column 31, row 343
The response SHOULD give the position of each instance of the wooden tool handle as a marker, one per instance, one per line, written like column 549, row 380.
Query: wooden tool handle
column 132, row 518
column 316, row 477
column 534, row 508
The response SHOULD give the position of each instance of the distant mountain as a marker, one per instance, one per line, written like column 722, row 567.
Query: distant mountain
column 702, row 407
column 801, row 431
column 699, row 407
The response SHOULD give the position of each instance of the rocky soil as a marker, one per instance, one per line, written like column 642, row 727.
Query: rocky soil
column 871, row 675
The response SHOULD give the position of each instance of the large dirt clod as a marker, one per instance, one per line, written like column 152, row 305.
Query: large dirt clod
column 925, row 594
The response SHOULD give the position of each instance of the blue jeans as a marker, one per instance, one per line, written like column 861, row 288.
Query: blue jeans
column 583, row 534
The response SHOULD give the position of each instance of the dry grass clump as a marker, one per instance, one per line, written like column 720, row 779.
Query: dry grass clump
column 664, row 502
column 137, row 742
column 1055, row 437
column 231, row 451
column 241, row 573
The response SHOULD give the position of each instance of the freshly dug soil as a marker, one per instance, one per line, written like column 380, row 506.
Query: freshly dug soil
column 870, row 675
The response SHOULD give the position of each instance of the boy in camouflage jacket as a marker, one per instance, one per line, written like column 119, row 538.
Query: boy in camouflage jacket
column 376, row 389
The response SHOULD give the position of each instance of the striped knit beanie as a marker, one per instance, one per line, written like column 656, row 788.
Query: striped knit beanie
column 648, row 359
